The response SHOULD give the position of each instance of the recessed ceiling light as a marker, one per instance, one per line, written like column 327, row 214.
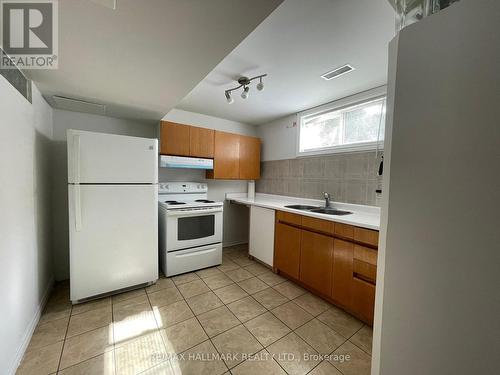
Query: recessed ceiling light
column 338, row 72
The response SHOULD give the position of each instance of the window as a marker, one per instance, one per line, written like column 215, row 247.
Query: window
column 352, row 127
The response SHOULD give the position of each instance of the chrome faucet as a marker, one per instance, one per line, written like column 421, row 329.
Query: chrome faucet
column 327, row 198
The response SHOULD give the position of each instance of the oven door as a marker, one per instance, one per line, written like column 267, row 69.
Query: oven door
column 191, row 227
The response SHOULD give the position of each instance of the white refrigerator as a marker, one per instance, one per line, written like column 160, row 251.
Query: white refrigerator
column 113, row 212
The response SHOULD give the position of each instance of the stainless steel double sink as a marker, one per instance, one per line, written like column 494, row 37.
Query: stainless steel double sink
column 319, row 210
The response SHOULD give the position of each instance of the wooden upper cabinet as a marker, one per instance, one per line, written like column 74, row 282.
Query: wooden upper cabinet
column 287, row 249
column 174, row 139
column 316, row 261
column 226, row 156
column 201, row 142
column 249, row 158
column 236, row 157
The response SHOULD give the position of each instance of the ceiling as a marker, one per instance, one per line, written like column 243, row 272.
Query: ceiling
column 141, row 59
column 297, row 43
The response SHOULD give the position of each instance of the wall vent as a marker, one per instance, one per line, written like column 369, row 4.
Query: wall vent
column 77, row 105
column 337, row 72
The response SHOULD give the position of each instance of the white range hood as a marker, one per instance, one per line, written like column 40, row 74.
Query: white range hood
column 169, row 161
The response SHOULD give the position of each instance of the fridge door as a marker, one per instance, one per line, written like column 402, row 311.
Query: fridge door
column 98, row 158
column 113, row 237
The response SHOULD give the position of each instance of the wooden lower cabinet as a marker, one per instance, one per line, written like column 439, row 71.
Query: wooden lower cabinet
column 316, row 259
column 329, row 261
column 363, row 299
column 287, row 240
column 342, row 272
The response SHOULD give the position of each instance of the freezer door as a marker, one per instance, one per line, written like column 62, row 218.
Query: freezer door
column 98, row 158
column 113, row 237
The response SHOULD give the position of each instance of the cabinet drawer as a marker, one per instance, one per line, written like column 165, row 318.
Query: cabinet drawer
column 363, row 299
column 289, row 218
column 317, row 224
column 344, row 230
column 367, row 236
column 365, row 271
column 365, row 254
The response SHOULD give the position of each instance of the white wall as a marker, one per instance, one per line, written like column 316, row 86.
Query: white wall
column 235, row 216
column 438, row 305
column 279, row 138
column 25, row 246
column 64, row 120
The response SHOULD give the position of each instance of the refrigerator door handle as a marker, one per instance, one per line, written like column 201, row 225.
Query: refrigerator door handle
column 76, row 158
column 78, row 209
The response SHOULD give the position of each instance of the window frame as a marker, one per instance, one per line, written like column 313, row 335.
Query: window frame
column 351, row 101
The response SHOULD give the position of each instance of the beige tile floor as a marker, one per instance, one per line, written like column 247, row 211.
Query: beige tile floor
column 238, row 318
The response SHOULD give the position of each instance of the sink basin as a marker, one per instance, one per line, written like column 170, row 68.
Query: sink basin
column 330, row 211
column 319, row 210
column 302, row 207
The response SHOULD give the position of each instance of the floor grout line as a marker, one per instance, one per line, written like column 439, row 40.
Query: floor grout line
column 264, row 348
column 64, row 342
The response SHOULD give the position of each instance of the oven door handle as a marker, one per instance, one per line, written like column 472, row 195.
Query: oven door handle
column 188, row 212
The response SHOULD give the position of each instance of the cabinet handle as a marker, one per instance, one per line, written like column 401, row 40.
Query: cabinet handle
column 363, row 279
column 78, row 209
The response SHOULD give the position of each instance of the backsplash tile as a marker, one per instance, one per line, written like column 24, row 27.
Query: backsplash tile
column 350, row 178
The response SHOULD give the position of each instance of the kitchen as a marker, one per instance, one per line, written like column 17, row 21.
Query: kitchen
column 288, row 205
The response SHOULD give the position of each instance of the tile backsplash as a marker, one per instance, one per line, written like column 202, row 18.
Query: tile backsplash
column 349, row 178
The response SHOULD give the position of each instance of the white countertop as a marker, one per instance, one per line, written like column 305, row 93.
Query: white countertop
column 362, row 216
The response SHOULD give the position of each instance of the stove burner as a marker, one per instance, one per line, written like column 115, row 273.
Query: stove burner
column 204, row 201
column 174, row 202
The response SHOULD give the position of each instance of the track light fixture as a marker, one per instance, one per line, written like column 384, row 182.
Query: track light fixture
column 245, row 82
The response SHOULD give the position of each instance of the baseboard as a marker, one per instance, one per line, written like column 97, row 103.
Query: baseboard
column 31, row 328
column 234, row 243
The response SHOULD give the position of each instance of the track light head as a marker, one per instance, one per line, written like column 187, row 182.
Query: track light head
column 229, row 99
column 244, row 94
column 260, row 85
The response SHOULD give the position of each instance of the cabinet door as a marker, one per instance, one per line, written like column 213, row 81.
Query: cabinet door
column 287, row 249
column 342, row 272
column 316, row 261
column 226, row 156
column 174, row 139
column 201, row 142
column 249, row 158
column 261, row 242
column 363, row 299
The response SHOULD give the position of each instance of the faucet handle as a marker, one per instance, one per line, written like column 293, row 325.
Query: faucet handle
column 326, row 195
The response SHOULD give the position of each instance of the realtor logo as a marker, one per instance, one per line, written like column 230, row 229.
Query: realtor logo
column 29, row 34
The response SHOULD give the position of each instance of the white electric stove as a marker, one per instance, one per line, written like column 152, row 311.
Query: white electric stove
column 190, row 227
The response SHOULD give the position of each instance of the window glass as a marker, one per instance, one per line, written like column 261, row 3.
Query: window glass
column 356, row 125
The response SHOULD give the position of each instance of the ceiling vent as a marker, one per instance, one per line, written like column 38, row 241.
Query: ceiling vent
column 337, row 72
column 77, row 105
